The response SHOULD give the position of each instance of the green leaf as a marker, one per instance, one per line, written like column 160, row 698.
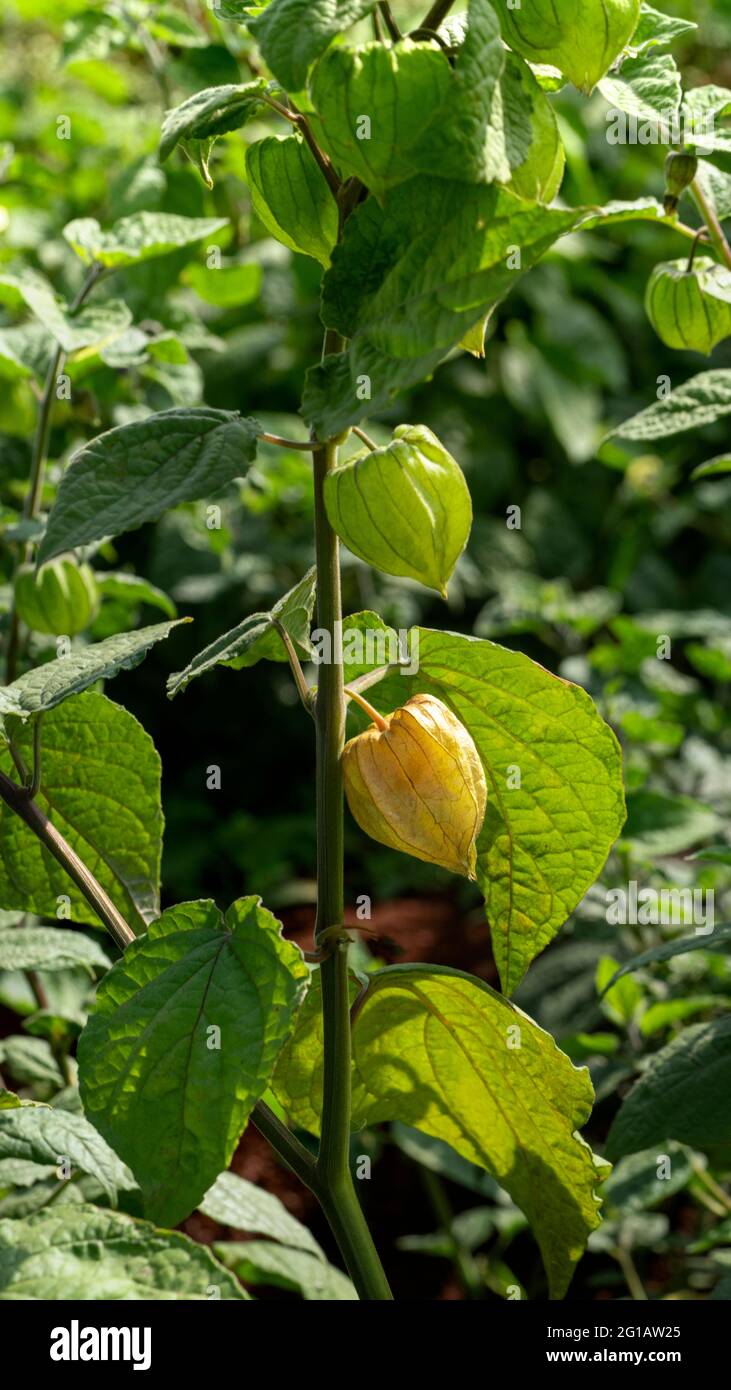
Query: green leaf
column 648, row 87
column 291, row 197
column 96, row 325
column 256, row 638
column 715, row 940
column 184, row 1037
column 698, row 402
column 132, row 590
column 657, row 29
column 49, row 948
column 134, row 473
column 684, row 1093
column 49, row 1136
column 661, row 824
column 210, row 113
column 642, row 1180
column 620, row 1002
column 225, row 286
column 108, row 810
column 668, row 1011
column 440, row 1051
column 29, row 1061
column 720, row 464
column 537, row 164
column 139, row 237
column 293, row 33
column 409, row 280
column 232, row 1201
column 44, row 687
column 426, row 116
column 24, row 351
column 103, row 1255
column 544, row 842
column 263, row 1262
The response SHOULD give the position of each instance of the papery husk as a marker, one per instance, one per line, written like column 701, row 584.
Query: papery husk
column 418, row 784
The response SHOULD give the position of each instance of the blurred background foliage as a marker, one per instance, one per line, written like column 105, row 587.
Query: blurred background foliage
column 611, row 535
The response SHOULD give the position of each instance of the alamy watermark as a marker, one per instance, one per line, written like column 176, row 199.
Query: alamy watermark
column 686, row 128
column 370, row 646
column 661, row 907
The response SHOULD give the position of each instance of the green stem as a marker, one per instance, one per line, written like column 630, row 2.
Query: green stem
column 436, row 14
column 284, row 1143
column 334, row 1182
column 32, row 504
column 713, row 225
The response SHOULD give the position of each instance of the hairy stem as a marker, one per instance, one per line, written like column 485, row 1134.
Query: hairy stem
column 713, row 225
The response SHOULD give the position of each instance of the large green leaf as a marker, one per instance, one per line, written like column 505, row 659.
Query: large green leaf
column 256, row 638
column 647, row 86
column 139, row 237
column 444, row 1053
column 291, row 197
column 684, row 1093
column 211, row 112
column 700, row 401
column 409, row 280
column 133, row 473
column 293, row 33
column 85, row 1253
column 48, row 1137
column 100, row 786
column 186, row 1031
column 655, row 29
column 49, row 948
column 44, row 687
column 545, row 841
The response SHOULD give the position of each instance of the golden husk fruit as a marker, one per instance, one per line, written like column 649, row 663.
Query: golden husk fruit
column 418, row 785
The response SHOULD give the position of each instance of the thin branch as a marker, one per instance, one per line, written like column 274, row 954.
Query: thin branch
column 710, row 217
column 307, row 446
column 298, row 674
column 20, row 802
column 365, row 437
column 290, row 1150
column 389, row 21
column 436, row 14
column 301, row 123
column 34, row 785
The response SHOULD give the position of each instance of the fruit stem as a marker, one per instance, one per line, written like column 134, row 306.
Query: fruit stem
column 365, row 437
column 696, row 243
column 708, row 212
column 372, row 713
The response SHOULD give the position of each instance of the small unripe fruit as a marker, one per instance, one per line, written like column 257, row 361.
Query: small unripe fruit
column 680, row 170
column 414, row 782
column 685, row 306
column 405, row 509
column 61, row 598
